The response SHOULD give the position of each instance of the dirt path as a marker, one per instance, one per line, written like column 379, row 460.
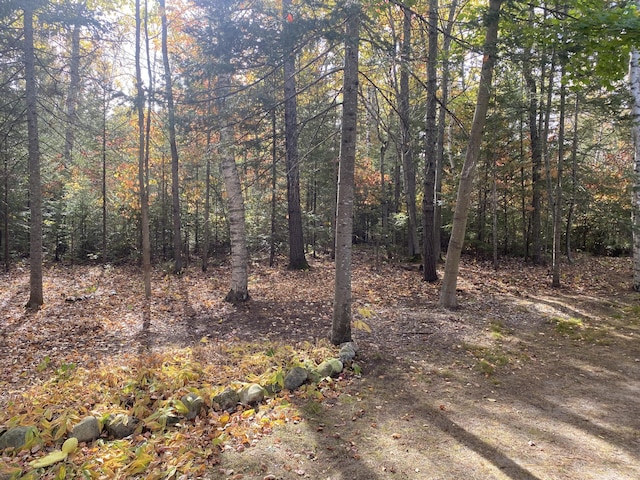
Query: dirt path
column 522, row 382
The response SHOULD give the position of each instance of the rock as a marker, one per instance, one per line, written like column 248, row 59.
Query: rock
column 314, row 376
column 336, row 366
column 251, row 394
column 171, row 420
column 324, row 369
column 194, row 403
column 17, row 437
column 226, row 400
column 121, row 425
column 330, row 368
column 295, row 378
column 348, row 352
column 87, row 430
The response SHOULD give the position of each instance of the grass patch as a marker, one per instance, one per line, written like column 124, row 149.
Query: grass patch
column 498, row 330
column 630, row 315
column 488, row 359
column 566, row 326
column 575, row 329
column 312, row 408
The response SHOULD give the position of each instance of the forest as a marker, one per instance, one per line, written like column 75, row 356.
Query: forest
column 557, row 143
column 202, row 198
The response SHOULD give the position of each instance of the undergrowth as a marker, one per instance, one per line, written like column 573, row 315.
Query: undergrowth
column 148, row 387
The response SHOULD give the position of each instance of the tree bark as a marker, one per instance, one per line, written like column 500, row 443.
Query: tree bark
column 175, row 179
column 5, row 214
column 442, row 114
column 239, row 254
column 408, row 165
column 341, row 328
column 207, row 199
column 634, row 78
column 274, row 184
column 574, row 178
column 536, row 156
column 429, row 258
column 142, row 176
column 72, row 95
column 35, row 189
column 297, row 260
column 449, row 282
column 557, row 202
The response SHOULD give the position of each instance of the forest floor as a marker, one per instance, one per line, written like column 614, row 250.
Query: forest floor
column 521, row 382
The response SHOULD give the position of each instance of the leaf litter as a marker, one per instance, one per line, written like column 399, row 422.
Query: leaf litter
column 89, row 351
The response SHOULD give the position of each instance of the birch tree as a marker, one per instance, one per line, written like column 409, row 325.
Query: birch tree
column 239, row 253
column 341, row 330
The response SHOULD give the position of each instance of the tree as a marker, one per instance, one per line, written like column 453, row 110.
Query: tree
column 634, row 83
column 431, row 139
column 557, row 201
column 536, row 150
column 142, row 168
column 35, row 189
column 239, row 254
column 171, row 118
column 297, row 260
column 341, row 329
column 406, row 142
column 442, row 114
column 449, row 282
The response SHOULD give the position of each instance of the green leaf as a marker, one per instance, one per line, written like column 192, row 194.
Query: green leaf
column 180, row 407
column 54, row 457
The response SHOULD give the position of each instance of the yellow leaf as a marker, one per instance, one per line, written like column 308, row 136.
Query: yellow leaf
column 62, row 473
column 223, row 419
column 248, row 413
column 70, row 445
column 360, row 325
column 53, row 457
column 180, row 406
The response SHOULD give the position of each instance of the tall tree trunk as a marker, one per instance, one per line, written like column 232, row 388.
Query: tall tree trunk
column 450, row 280
column 341, row 328
column 72, row 95
column 429, row 257
column 494, row 208
column 207, row 207
column 574, row 179
column 557, row 201
column 175, row 179
column 35, row 190
column 536, row 156
column 105, row 104
column 408, row 165
column 442, row 115
column 297, row 260
column 239, row 253
column 274, row 179
column 142, row 176
column 634, row 78
column 5, row 214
